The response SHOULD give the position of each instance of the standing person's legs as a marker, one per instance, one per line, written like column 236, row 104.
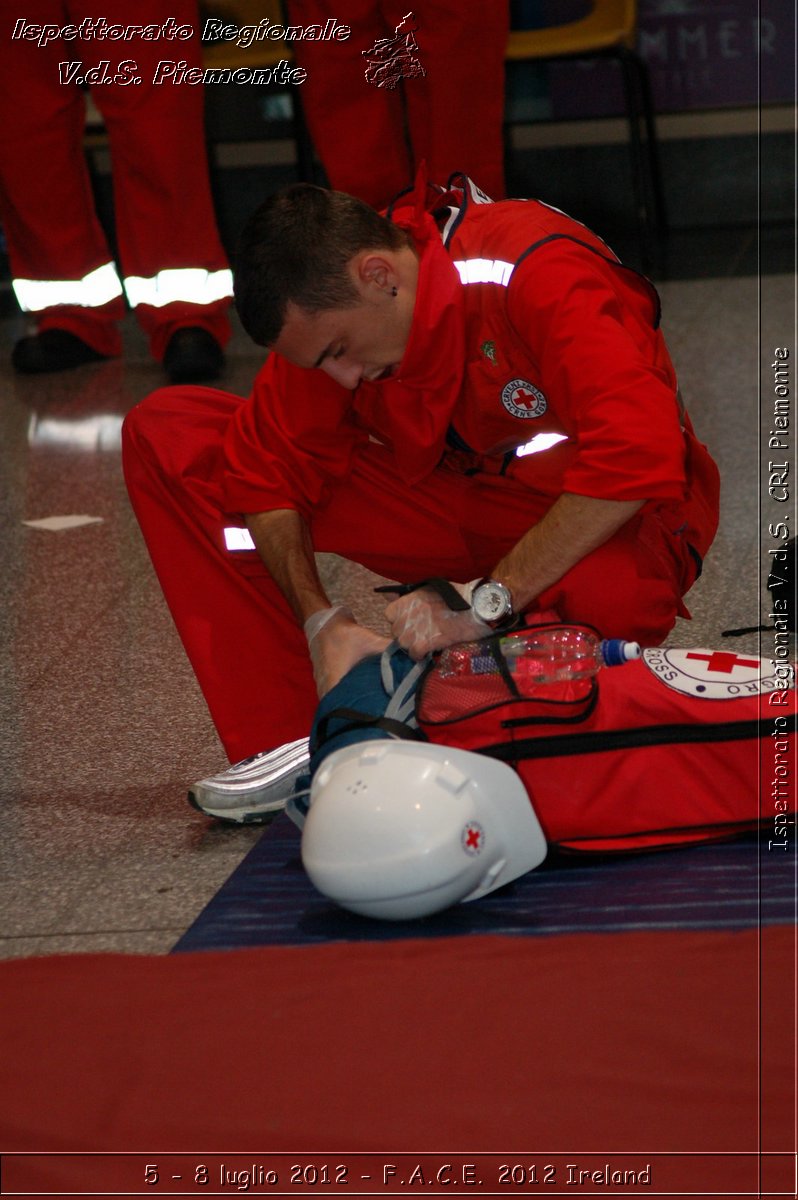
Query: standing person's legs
column 358, row 129
column 61, row 264
column 455, row 112
column 176, row 271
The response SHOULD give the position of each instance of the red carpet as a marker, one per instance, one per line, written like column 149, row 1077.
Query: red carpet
column 646, row 1044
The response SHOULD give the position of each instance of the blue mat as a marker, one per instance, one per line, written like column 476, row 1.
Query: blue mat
column 269, row 900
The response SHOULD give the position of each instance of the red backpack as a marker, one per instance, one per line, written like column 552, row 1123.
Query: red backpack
column 678, row 746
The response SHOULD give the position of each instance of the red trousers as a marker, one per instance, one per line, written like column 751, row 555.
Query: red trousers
column 164, row 215
column 246, row 648
column 370, row 138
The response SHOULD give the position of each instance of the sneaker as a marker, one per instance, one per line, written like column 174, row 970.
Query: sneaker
column 253, row 790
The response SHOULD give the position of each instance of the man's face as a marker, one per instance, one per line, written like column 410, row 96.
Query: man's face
column 364, row 342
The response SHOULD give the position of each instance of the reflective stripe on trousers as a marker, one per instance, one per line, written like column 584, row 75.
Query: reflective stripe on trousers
column 191, row 285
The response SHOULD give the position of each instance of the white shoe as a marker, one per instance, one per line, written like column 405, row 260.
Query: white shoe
column 253, row 790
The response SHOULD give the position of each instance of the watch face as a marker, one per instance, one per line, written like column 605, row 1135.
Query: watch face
column 491, row 602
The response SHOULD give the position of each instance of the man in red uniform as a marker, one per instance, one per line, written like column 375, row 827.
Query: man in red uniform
column 174, row 271
column 467, row 390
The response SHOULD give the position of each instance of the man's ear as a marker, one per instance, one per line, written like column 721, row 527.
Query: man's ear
column 377, row 270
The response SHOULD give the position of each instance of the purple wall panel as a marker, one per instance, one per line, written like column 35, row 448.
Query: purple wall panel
column 700, row 53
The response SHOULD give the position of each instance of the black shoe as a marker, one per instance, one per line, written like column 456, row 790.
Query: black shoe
column 192, row 355
column 52, row 350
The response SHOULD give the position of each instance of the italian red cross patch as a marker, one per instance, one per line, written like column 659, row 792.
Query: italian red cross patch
column 713, row 674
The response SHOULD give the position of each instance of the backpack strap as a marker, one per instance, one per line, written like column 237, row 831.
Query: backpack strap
column 443, row 587
column 400, row 730
column 402, row 704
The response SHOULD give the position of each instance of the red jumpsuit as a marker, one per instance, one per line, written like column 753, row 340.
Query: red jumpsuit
column 372, row 138
column 524, row 324
column 165, row 224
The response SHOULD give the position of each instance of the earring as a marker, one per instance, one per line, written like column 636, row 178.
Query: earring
column 394, row 291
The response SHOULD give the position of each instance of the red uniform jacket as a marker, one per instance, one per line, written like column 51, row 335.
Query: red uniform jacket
column 525, row 323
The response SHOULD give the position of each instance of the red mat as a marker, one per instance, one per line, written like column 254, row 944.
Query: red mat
column 675, row 1048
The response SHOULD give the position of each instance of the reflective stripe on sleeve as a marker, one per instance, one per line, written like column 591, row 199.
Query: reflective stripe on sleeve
column 484, row 270
column 191, row 285
column 92, row 291
column 541, row 441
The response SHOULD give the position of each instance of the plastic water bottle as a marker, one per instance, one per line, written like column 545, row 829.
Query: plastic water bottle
column 564, row 654
column 554, row 655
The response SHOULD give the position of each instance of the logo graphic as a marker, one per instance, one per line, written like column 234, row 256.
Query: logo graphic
column 473, row 838
column 523, row 399
column 489, row 350
column 392, row 59
column 712, row 674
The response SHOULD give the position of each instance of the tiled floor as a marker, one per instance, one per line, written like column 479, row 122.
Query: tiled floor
column 102, row 724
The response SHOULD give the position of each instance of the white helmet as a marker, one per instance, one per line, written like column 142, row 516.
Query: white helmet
column 404, row 829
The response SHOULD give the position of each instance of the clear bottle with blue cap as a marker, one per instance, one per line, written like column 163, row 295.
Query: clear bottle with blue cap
column 553, row 654
column 564, row 653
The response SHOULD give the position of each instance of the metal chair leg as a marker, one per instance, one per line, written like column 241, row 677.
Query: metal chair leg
column 643, row 148
column 652, row 144
column 635, row 140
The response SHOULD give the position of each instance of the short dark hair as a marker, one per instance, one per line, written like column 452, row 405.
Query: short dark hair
column 295, row 247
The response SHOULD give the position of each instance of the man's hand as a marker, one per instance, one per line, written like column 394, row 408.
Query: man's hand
column 422, row 621
column 336, row 644
column 335, row 639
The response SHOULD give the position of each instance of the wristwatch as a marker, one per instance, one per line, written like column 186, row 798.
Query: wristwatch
column 492, row 603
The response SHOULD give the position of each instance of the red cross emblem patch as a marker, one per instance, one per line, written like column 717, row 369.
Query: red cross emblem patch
column 712, row 674
column 523, row 399
column 473, row 838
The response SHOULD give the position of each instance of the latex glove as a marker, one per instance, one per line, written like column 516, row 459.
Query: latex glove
column 422, row 621
column 336, row 643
